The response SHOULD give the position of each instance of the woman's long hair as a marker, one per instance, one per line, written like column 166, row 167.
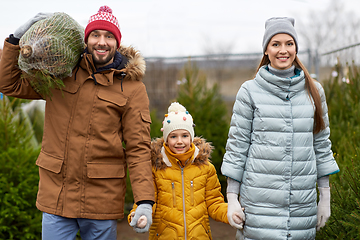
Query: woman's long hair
column 313, row 92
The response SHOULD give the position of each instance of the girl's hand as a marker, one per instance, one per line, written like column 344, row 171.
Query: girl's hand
column 237, row 217
column 141, row 223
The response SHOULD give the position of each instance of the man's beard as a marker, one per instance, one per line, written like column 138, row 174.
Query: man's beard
column 102, row 61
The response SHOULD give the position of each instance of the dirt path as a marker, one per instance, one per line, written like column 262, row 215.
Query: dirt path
column 220, row 231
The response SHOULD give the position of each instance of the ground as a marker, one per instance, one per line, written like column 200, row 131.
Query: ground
column 220, row 231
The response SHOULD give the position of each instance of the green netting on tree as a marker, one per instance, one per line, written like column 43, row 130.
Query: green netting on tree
column 50, row 50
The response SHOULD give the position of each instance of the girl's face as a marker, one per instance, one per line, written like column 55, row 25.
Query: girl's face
column 179, row 141
column 281, row 51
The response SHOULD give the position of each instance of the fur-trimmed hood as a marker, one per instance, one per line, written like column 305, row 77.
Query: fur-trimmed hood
column 202, row 156
column 131, row 68
column 133, row 63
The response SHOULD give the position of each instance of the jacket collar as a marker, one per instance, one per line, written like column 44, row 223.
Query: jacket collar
column 168, row 162
column 131, row 68
column 281, row 87
column 160, row 161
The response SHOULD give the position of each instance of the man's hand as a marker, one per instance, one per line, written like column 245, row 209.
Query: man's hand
column 23, row 28
column 142, row 219
column 323, row 209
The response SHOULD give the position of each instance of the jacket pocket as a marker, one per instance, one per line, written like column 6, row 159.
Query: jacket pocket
column 173, row 194
column 165, row 232
column 105, row 170
column 192, row 193
column 110, row 97
column 50, row 163
column 105, row 188
column 201, row 230
column 51, row 180
column 145, row 117
column 108, row 108
column 70, row 87
column 145, row 130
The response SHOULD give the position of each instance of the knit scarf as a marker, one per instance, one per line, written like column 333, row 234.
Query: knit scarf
column 115, row 64
column 182, row 157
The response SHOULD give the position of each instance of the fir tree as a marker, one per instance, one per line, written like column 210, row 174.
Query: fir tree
column 344, row 116
column 19, row 217
column 156, row 125
column 208, row 110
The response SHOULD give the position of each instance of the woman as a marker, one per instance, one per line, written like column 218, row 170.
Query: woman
column 278, row 146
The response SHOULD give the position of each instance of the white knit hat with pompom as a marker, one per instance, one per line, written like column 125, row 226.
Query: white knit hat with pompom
column 177, row 118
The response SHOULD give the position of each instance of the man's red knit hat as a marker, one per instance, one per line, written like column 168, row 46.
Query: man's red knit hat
column 103, row 20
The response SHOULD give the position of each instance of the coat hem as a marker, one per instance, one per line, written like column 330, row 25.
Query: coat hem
column 96, row 216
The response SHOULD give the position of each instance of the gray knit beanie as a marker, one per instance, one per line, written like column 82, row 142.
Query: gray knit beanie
column 278, row 25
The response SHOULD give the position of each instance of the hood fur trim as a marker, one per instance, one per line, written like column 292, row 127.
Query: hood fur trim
column 203, row 157
column 136, row 66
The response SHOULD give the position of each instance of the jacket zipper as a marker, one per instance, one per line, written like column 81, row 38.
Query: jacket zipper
column 173, row 194
column 192, row 193
column 183, row 198
column 67, row 140
column 93, row 71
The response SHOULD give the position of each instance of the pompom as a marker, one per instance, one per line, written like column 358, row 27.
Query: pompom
column 176, row 107
column 105, row 9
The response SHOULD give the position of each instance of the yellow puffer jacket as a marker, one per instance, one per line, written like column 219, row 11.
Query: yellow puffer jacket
column 185, row 197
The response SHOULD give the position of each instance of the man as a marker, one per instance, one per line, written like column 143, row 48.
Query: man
column 82, row 163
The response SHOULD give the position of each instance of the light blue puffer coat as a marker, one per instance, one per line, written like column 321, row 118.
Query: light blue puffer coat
column 273, row 152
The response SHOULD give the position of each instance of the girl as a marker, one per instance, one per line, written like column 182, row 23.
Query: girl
column 278, row 145
column 187, row 189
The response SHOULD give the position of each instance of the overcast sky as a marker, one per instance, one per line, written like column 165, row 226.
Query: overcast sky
column 175, row 28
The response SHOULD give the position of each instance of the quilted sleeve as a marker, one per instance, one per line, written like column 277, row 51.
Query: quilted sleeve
column 325, row 161
column 215, row 203
column 239, row 137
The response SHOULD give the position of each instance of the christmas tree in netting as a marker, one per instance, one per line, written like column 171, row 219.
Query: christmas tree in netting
column 50, row 50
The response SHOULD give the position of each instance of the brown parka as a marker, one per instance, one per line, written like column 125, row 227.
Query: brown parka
column 95, row 128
